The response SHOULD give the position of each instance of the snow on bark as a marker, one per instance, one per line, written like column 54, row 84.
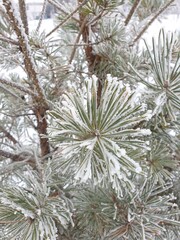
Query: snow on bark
column 25, row 47
column 39, row 102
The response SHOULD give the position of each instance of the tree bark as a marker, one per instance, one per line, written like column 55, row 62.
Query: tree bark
column 92, row 59
column 40, row 105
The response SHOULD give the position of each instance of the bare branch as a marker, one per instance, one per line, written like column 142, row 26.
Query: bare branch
column 39, row 100
column 132, row 11
column 18, row 157
column 26, row 50
column 151, row 21
column 77, row 40
column 23, row 14
column 99, row 16
column 67, row 18
column 8, row 135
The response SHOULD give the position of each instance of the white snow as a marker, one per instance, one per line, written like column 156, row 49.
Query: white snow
column 172, row 133
column 46, row 26
column 170, row 23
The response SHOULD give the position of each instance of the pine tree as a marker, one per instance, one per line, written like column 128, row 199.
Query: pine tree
column 89, row 123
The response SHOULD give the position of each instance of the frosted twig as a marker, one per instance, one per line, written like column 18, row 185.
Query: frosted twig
column 26, row 50
column 67, row 18
column 132, row 11
column 77, row 40
column 151, row 21
column 42, row 15
column 23, row 14
column 17, row 86
column 99, row 16
column 9, row 40
column 17, row 157
column 6, row 90
column 8, row 135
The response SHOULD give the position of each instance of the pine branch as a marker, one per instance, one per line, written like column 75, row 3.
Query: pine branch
column 26, row 49
column 132, row 11
column 23, row 14
column 41, row 105
column 68, row 17
column 17, row 86
column 8, row 135
column 151, row 21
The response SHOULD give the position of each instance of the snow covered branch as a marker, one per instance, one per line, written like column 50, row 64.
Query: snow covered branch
column 23, row 14
column 40, row 103
column 8, row 135
column 132, row 11
column 68, row 17
column 9, row 40
column 30, row 66
column 17, row 157
column 17, row 86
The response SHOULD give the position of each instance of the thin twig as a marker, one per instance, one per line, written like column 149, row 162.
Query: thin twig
column 17, row 157
column 18, row 115
column 40, row 103
column 6, row 90
column 82, row 44
column 67, row 18
column 8, row 135
column 132, row 11
column 100, row 15
column 26, row 50
column 11, row 58
column 57, row 6
column 42, row 15
column 17, row 86
column 9, row 40
column 151, row 21
column 77, row 40
column 26, row 115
